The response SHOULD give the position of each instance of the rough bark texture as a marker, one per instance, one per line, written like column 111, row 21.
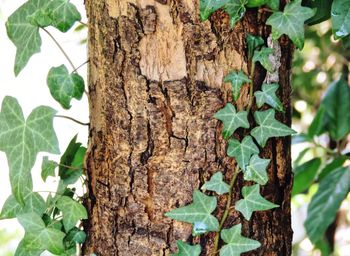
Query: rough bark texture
column 155, row 83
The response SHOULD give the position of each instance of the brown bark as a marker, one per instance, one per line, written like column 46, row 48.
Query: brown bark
column 155, row 82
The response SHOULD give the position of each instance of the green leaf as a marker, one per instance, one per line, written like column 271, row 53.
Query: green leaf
column 304, row 175
column 263, row 56
column 290, row 22
column 38, row 237
column 72, row 211
column 231, row 119
column 337, row 106
column 269, row 127
column 236, row 10
column 23, row 34
column 64, row 86
column 317, row 126
column 273, row 4
column 34, row 203
column 323, row 10
column 325, row 203
column 207, row 7
column 187, row 250
column 340, row 18
column 237, row 79
column 235, row 242
column 198, row 213
column 242, row 151
column 253, row 42
column 217, row 184
column 47, row 168
column 76, row 235
column 268, row 96
column 26, row 249
column 256, row 170
column 253, row 201
column 255, row 3
column 21, row 140
column 335, row 164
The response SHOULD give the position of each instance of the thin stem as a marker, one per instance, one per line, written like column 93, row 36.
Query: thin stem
column 227, row 209
column 251, row 88
column 70, row 167
column 75, row 70
column 60, row 47
column 83, row 23
column 72, row 119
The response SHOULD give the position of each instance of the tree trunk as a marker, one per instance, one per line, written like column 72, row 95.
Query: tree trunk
column 155, row 82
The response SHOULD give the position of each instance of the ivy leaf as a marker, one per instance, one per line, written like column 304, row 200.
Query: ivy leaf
column 231, row 119
column 23, row 34
column 253, row 201
column 269, row 127
column 273, row 4
column 253, row 43
column 263, row 56
column 64, row 86
column 76, row 235
column 291, row 22
column 235, row 242
column 268, row 96
column 323, row 10
column 34, row 203
column 21, row 140
column 187, row 250
column 242, row 151
column 72, row 211
column 217, row 184
column 38, row 236
column 237, row 79
column 256, row 170
column 25, row 249
column 340, row 18
column 324, row 205
column 198, row 213
column 47, row 168
column 236, row 10
column 207, row 7
column 304, row 175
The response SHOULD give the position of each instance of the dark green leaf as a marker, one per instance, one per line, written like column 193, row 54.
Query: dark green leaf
column 242, row 151
column 76, row 235
column 268, row 95
column 325, row 203
column 304, row 175
column 335, row 164
column 216, row 184
column 253, row 42
column 64, row 86
column 21, row 140
column 198, row 213
column 237, row 79
column 323, row 10
column 340, row 18
column 187, row 250
column 236, row 10
column 72, row 211
column 269, row 127
column 291, row 22
column 263, row 56
column 231, row 119
column 273, row 4
column 235, row 242
column 256, row 170
column 318, row 124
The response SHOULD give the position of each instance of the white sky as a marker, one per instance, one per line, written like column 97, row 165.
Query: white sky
column 31, row 90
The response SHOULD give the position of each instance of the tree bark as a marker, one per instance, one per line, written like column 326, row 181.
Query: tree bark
column 156, row 80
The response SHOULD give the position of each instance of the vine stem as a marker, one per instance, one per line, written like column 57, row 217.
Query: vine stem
column 72, row 119
column 60, row 47
column 227, row 209
column 81, row 65
column 251, row 88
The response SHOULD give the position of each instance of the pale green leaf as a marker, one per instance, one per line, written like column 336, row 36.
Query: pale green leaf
column 340, row 18
column 256, row 170
column 235, row 242
column 27, row 249
column 237, row 79
column 324, row 205
column 33, row 203
column 47, row 168
column 187, row 250
column 304, row 175
column 217, row 184
column 207, row 7
column 291, row 22
column 242, row 151
column 263, row 56
column 198, row 213
column 236, row 10
column 23, row 34
column 21, row 140
column 72, row 211
column 269, row 127
column 231, row 119
column 267, row 95
column 253, row 42
column 64, row 86
column 253, row 201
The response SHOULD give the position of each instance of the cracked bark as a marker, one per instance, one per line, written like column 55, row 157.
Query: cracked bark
column 155, row 81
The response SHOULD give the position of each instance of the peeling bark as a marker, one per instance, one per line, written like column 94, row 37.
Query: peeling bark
column 155, row 81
